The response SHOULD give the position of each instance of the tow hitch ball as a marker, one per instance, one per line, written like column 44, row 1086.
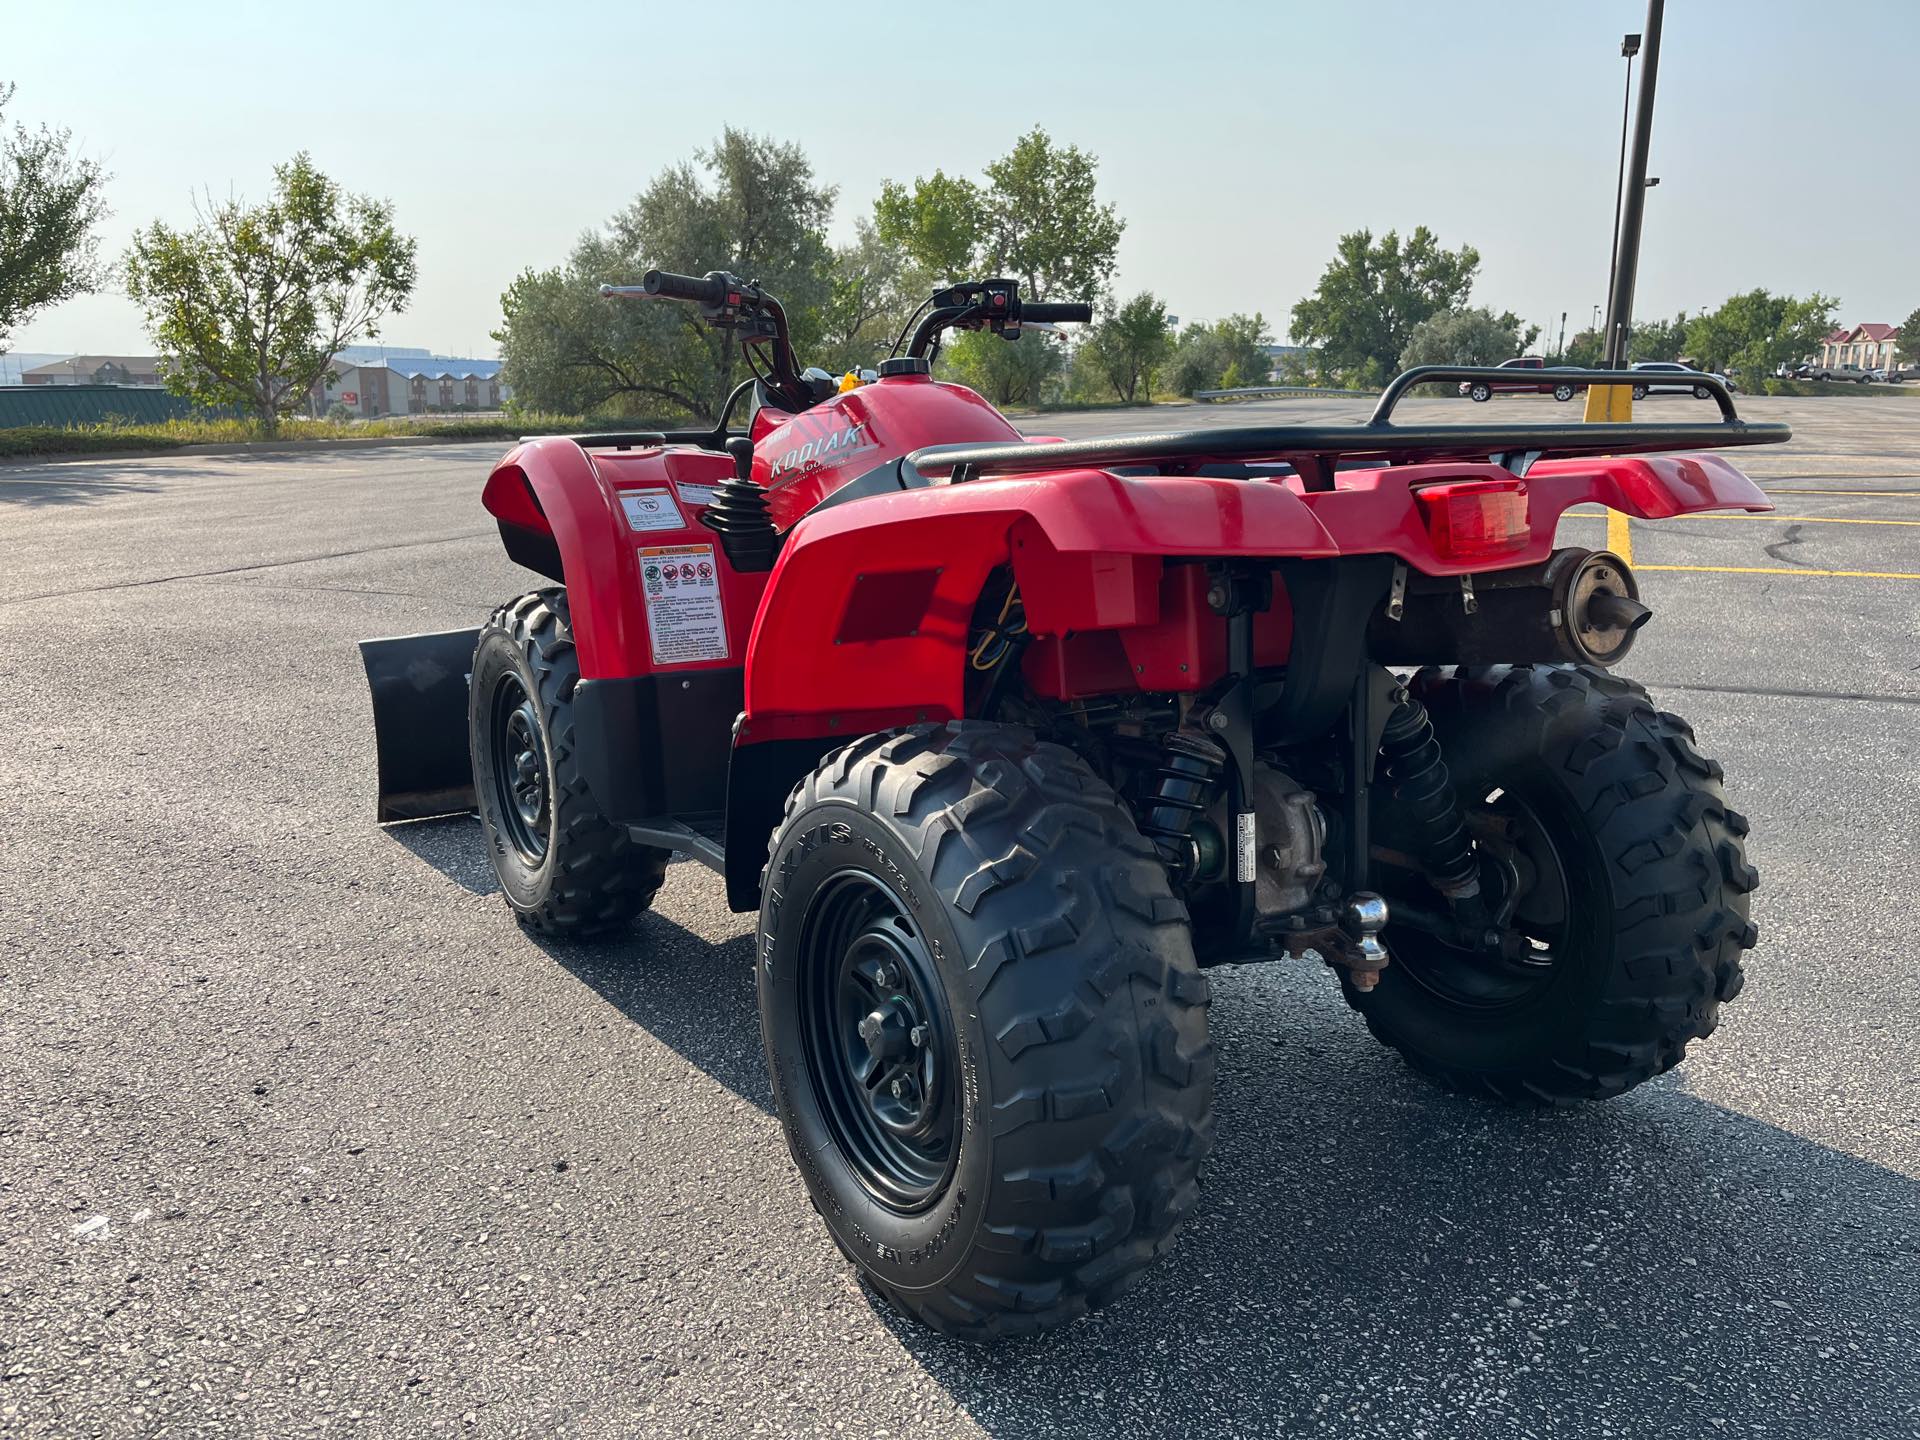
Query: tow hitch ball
column 1361, row 920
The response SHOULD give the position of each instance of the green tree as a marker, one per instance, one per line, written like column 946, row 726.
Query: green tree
column 1035, row 216
column 938, row 223
column 1584, row 350
column 250, row 306
column 1373, row 294
column 1755, row 332
column 1907, row 342
column 1659, row 339
column 1467, row 337
column 1017, row 372
column 873, row 287
column 1126, row 347
column 50, row 202
column 1222, row 355
column 746, row 205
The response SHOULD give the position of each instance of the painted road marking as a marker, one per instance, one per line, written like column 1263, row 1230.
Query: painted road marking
column 1788, row 570
column 1619, row 538
column 1615, row 515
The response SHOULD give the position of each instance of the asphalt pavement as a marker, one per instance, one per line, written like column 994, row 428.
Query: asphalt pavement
column 299, row 1133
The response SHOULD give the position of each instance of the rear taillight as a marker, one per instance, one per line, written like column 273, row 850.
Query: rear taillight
column 1476, row 519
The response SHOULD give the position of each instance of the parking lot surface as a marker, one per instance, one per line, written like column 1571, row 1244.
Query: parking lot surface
column 299, row 1133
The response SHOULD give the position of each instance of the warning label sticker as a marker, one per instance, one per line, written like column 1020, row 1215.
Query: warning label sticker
column 651, row 510
column 696, row 494
column 684, row 620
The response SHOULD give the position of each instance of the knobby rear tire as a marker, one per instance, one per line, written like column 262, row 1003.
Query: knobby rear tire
column 1080, row 1016
column 1644, row 817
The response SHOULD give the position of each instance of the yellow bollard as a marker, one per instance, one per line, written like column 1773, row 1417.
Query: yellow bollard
column 1609, row 403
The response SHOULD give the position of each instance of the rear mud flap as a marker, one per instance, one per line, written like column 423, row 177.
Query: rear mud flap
column 419, row 685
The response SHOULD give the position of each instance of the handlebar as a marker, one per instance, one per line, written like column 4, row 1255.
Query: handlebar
column 1047, row 314
column 707, row 290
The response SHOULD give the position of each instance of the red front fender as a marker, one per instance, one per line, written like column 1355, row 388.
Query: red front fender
column 550, row 487
column 868, row 609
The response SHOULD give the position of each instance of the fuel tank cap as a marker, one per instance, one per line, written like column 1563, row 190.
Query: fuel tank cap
column 904, row 365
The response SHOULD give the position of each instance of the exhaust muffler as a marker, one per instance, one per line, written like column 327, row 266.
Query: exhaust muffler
column 1581, row 607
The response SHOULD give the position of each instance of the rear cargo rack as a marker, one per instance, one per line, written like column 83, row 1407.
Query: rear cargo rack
column 1314, row 452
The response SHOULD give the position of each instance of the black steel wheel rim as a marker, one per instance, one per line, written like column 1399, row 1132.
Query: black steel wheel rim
column 879, row 1041
column 1527, row 878
column 523, row 798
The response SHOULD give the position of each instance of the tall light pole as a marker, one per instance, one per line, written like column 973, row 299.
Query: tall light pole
column 1633, row 196
column 1629, row 47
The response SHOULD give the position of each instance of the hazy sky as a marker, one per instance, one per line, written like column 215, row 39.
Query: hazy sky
column 1238, row 140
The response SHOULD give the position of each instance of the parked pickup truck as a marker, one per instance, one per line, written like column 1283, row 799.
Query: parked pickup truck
column 1535, row 377
column 1840, row 372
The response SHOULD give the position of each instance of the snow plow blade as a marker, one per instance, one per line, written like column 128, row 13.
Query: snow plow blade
column 419, row 685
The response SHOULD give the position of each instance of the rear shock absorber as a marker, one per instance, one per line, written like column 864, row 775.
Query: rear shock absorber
column 1177, row 791
column 1427, row 803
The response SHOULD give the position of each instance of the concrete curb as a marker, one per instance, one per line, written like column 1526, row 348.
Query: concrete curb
column 259, row 447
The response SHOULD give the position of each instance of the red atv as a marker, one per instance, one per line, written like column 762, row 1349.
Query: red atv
column 1007, row 741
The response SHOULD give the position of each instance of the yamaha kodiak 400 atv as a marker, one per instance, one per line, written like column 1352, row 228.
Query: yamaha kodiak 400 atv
column 1007, row 741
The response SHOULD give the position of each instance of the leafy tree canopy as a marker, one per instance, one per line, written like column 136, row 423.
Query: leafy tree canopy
column 1658, row 339
column 50, row 202
column 1016, row 372
column 1373, row 294
column 1220, row 356
column 1034, row 216
column 1907, row 342
column 250, row 305
column 1126, row 348
column 748, row 205
column 872, row 288
column 1755, row 332
column 1467, row 337
column 938, row 222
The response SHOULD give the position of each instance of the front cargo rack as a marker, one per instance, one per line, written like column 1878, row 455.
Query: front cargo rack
column 1314, row 452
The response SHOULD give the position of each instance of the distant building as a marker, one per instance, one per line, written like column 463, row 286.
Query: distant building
column 411, row 384
column 1869, row 346
column 364, row 354
column 96, row 370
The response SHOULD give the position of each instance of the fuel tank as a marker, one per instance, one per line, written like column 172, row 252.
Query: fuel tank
column 802, row 459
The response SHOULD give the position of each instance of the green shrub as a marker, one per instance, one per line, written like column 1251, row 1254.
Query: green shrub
column 107, row 439
column 1828, row 387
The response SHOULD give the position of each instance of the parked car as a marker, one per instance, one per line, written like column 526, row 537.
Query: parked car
column 1538, row 382
column 1793, row 370
column 1669, row 377
column 1901, row 374
column 1838, row 372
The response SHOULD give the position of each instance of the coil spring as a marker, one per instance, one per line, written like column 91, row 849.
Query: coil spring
column 1424, row 790
column 1180, row 787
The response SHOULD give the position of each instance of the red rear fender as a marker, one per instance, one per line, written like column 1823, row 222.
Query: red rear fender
column 871, row 603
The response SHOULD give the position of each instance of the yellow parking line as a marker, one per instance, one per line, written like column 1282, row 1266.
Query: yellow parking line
column 1613, row 515
column 1619, row 538
column 1788, row 570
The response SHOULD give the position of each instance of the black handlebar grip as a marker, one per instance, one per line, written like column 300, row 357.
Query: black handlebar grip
column 668, row 285
column 1044, row 314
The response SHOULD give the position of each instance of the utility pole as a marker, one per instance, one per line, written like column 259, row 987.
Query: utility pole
column 1615, row 402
